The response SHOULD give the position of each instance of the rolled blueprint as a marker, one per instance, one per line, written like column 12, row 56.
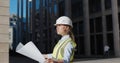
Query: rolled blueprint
column 20, row 45
column 31, row 51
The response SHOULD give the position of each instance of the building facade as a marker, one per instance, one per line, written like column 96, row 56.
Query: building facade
column 4, row 31
column 96, row 24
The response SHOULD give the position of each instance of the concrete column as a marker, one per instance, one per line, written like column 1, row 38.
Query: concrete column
column 104, row 23
column 86, row 27
column 68, row 8
column 115, row 27
column 4, row 34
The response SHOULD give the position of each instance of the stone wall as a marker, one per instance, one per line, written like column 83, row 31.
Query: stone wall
column 4, row 31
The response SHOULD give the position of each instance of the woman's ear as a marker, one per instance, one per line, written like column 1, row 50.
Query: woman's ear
column 67, row 28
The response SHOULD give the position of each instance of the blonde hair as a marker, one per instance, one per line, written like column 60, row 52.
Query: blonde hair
column 69, row 31
column 71, row 34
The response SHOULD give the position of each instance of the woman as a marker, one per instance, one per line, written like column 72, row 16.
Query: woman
column 64, row 50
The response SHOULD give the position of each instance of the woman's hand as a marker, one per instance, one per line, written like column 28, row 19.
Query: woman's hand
column 49, row 61
column 45, row 56
column 52, row 61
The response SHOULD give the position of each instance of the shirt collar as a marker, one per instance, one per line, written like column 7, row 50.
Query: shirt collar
column 65, row 37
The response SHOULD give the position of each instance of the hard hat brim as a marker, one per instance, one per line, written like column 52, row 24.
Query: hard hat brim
column 63, row 24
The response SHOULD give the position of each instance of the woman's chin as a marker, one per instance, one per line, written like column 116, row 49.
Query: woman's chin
column 58, row 33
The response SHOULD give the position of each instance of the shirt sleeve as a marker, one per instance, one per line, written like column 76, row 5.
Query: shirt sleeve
column 49, row 55
column 67, row 52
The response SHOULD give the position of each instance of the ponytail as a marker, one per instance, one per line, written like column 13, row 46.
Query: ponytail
column 71, row 34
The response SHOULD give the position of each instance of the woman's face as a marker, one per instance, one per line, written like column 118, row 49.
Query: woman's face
column 62, row 29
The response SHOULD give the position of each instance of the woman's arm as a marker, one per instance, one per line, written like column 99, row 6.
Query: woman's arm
column 67, row 54
column 47, row 55
column 52, row 61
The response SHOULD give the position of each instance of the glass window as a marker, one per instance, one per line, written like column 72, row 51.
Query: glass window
column 99, row 43
column 76, row 12
column 77, row 47
column 50, row 1
column 118, row 2
column 43, row 2
column 92, row 43
column 119, row 20
column 98, row 24
column 110, row 43
column 107, row 4
column 61, row 8
column 75, row 29
column 109, row 23
column 94, row 7
column 37, row 4
column 55, row 9
column 81, row 45
column 81, row 27
column 92, row 25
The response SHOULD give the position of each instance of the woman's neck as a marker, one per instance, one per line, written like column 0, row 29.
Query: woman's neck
column 64, row 34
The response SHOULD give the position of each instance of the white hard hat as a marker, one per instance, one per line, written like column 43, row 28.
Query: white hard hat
column 64, row 20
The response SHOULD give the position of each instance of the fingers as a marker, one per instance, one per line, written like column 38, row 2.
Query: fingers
column 45, row 56
column 49, row 61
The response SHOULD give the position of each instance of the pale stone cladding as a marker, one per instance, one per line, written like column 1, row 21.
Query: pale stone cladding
column 4, row 31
